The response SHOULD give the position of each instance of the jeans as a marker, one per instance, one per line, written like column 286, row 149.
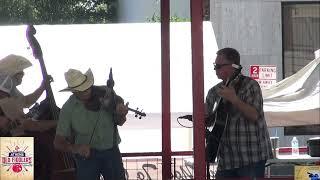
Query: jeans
column 252, row 171
column 108, row 163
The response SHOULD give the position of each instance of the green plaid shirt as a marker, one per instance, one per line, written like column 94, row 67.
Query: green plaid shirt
column 243, row 142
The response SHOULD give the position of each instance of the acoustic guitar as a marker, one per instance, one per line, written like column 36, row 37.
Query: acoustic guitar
column 220, row 117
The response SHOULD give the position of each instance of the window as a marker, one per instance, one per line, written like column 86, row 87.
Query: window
column 301, row 37
column 301, row 34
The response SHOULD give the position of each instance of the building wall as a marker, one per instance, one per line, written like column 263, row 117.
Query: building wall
column 251, row 26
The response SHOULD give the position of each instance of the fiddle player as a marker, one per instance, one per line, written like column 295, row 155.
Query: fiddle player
column 245, row 143
column 93, row 127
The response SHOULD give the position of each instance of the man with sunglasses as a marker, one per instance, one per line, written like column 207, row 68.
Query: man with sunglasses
column 244, row 146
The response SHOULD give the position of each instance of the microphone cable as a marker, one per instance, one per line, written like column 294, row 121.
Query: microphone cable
column 180, row 117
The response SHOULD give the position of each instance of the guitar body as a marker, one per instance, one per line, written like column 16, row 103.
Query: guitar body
column 213, row 137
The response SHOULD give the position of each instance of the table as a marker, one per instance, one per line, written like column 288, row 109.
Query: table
column 283, row 160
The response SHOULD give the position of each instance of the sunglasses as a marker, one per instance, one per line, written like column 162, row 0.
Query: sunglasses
column 219, row 66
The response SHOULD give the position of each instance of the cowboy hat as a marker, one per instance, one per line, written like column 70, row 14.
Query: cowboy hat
column 77, row 81
column 12, row 64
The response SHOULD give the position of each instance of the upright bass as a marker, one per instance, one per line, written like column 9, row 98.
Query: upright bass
column 58, row 165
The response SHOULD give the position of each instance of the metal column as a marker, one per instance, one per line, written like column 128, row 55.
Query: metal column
column 165, row 81
column 198, row 89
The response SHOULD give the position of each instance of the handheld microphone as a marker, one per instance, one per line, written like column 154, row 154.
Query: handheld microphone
column 188, row 117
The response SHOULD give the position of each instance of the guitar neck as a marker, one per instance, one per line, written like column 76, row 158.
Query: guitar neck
column 137, row 112
column 49, row 91
column 133, row 110
column 50, row 95
column 44, row 76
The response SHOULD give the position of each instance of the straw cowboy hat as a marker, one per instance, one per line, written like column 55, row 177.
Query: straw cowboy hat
column 12, row 64
column 77, row 81
column 6, row 83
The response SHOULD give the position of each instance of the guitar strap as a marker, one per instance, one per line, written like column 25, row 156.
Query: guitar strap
column 224, row 106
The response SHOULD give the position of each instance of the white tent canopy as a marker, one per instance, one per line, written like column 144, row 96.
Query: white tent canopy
column 295, row 100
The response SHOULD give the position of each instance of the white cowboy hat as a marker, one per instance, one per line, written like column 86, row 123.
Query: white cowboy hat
column 77, row 81
column 13, row 64
column 6, row 84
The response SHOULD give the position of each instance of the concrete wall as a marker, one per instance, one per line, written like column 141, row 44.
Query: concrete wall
column 251, row 26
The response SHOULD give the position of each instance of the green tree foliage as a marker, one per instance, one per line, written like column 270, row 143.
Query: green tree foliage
column 175, row 18
column 57, row 11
